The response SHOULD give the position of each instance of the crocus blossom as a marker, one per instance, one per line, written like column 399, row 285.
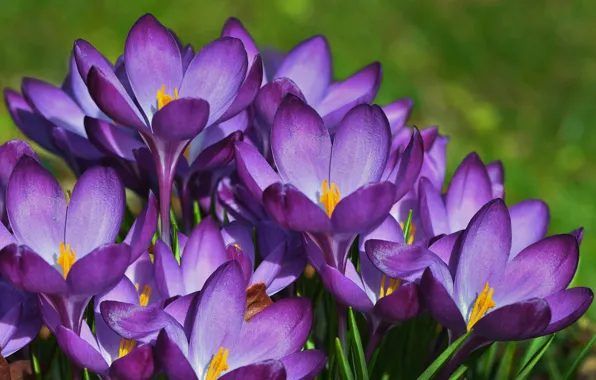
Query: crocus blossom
column 10, row 153
column 19, row 318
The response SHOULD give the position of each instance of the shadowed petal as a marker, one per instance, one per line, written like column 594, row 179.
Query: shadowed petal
column 529, row 223
column 345, row 290
column 234, row 28
column 181, row 119
column 168, row 274
column 136, row 365
column 82, row 354
column 249, row 90
column 254, row 171
column 304, row 365
column 172, row 360
column 567, row 306
column 400, row 305
column 439, row 301
column 409, row 165
column 8, row 325
column 398, row 113
column 111, row 140
column 432, row 209
column 267, row 370
column 142, row 230
column 270, row 97
column 496, row 175
column 10, row 153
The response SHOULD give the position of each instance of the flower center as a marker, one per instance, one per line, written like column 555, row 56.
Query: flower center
column 128, row 345
column 163, row 98
column 394, row 283
column 66, row 258
column 218, row 364
column 329, row 197
column 483, row 303
column 412, row 235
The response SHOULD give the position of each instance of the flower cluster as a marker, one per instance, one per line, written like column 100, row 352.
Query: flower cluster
column 276, row 171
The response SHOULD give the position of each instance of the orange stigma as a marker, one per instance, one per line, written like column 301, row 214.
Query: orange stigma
column 163, row 98
column 483, row 304
column 66, row 259
column 218, row 364
column 329, row 197
column 394, row 283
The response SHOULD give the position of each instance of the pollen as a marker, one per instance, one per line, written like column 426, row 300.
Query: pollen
column 145, row 294
column 483, row 304
column 66, row 258
column 126, row 346
column 329, row 197
column 218, row 364
column 163, row 98
column 394, row 283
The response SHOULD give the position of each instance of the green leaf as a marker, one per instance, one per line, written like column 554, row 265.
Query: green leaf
column 342, row 363
column 408, row 226
column 197, row 212
column 506, row 361
column 580, row 358
column 459, row 372
column 357, row 345
column 442, row 359
column 533, row 347
column 534, row 354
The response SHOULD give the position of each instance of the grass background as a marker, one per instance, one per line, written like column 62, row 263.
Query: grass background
column 512, row 80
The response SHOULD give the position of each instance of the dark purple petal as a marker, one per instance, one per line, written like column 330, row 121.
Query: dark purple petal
column 217, row 155
column 112, row 140
column 432, row 209
column 136, row 365
column 304, row 365
column 75, row 87
column 485, row 248
column 529, row 223
column 172, row 360
column 360, row 88
column 540, row 270
column 360, row 149
column 234, row 28
column 95, row 210
column 496, row 175
column 295, row 211
column 9, row 322
column 254, row 171
column 301, row 147
column 270, row 96
column 36, row 208
column 567, row 306
column 469, row 190
column 142, row 230
column 99, row 270
column 364, row 209
column 309, row 66
column 28, row 271
column 152, row 60
column 439, row 301
column 6, row 237
column 168, row 274
column 398, row 113
column 399, row 306
column 409, row 165
column 181, row 119
column 267, row 370
column 10, row 153
column 216, row 74
column 80, row 352
column 86, row 57
column 249, row 90
column 518, row 321
column 578, row 234
column 344, row 290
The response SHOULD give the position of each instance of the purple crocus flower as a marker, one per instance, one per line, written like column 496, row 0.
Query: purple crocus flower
column 209, row 336
column 19, row 318
column 172, row 105
column 485, row 286
column 330, row 192
column 10, row 153
column 472, row 186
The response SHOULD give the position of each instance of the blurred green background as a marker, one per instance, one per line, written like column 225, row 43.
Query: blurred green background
column 512, row 80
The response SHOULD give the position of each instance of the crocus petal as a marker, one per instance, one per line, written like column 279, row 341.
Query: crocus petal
column 399, row 306
column 254, row 171
column 111, row 140
column 263, row 337
column 33, row 125
column 360, row 88
column 36, row 208
column 270, row 266
column 432, row 209
column 409, row 166
column 270, row 97
column 95, row 210
column 54, row 104
column 142, row 230
column 152, row 60
column 80, row 351
column 439, row 301
column 216, row 74
column 28, row 271
column 181, row 119
column 6, row 237
column 86, row 56
column 234, row 28
column 485, row 248
column 540, row 270
column 172, row 360
column 220, row 313
column 267, row 370
column 75, row 86
column 136, row 365
column 345, row 290
column 204, row 253
column 360, row 149
column 517, row 321
column 529, row 223
column 469, row 190
column 249, row 90
column 496, row 175
column 567, row 306
column 183, row 310
column 99, row 270
column 578, row 234
column 8, row 325
column 301, row 146
column 293, row 210
column 168, row 274
column 309, row 66
column 217, row 155
column 240, row 233
column 304, row 365
column 364, row 209
column 446, row 247
column 10, row 153
column 398, row 113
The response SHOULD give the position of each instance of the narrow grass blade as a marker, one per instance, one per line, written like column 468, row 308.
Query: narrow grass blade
column 580, row 358
column 356, row 344
column 534, row 359
column 342, row 362
column 442, row 359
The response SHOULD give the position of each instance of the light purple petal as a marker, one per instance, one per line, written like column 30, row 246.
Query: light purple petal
column 240, row 233
column 398, row 113
column 304, row 365
column 432, row 209
column 142, row 230
column 270, row 97
column 409, row 165
column 529, row 223
column 80, row 351
column 496, row 175
column 344, row 290
column 8, row 326
column 249, row 90
column 567, row 306
column 10, row 153
column 168, row 274
column 234, row 28
column 254, row 171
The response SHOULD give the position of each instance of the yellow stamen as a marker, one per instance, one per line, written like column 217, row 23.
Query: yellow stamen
column 186, row 153
column 329, row 197
column 394, row 283
column 483, row 304
column 218, row 364
column 68, row 196
column 163, row 98
column 412, row 235
column 126, row 346
column 145, row 295
column 66, row 258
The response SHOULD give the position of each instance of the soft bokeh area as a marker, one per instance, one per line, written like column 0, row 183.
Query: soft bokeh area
column 512, row 80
